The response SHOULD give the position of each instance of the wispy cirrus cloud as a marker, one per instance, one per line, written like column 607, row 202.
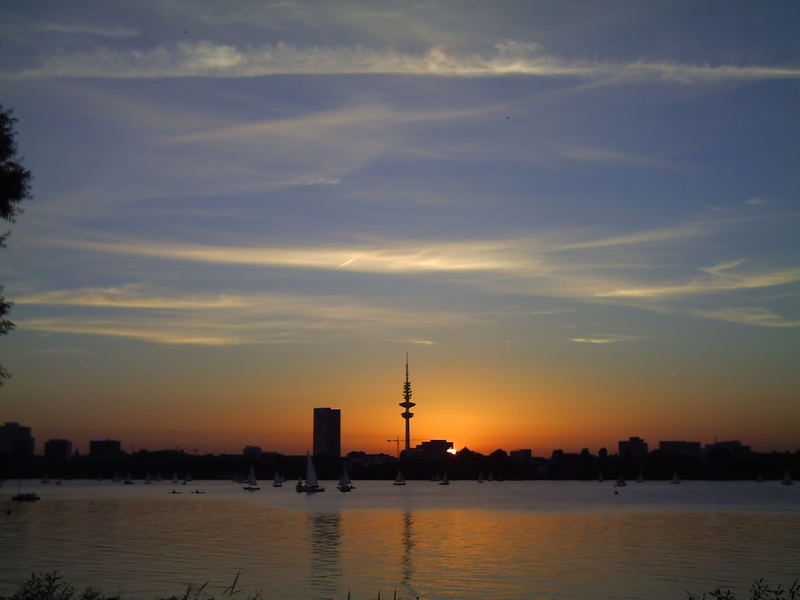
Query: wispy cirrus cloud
column 719, row 281
column 129, row 296
column 162, row 317
column 758, row 316
column 605, row 339
column 71, row 28
column 510, row 58
column 381, row 257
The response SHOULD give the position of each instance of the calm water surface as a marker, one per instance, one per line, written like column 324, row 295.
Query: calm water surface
column 499, row 541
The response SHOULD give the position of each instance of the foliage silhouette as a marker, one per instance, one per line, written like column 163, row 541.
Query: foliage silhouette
column 14, row 187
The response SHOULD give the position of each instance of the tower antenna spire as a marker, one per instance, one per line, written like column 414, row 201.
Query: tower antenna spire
column 407, row 404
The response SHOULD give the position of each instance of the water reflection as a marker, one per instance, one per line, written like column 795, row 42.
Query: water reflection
column 407, row 540
column 325, row 540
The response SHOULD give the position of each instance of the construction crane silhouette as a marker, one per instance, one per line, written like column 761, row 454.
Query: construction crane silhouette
column 397, row 441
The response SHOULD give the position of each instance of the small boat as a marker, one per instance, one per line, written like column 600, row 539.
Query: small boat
column 174, row 477
column 490, row 477
column 480, row 477
column 128, row 479
column 252, row 484
column 26, row 497
column 445, row 480
column 198, row 492
column 760, row 478
column 158, row 476
column 787, row 478
column 640, row 477
column 311, row 484
column 278, row 480
column 147, row 479
column 399, row 479
column 600, row 478
column 620, row 481
column 45, row 479
column 675, row 479
column 345, row 485
column 117, row 478
column 174, row 492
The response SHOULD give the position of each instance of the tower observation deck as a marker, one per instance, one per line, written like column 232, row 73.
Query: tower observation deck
column 407, row 404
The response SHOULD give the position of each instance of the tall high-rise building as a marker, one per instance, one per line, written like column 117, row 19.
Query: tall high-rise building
column 57, row 450
column 105, row 449
column 327, row 432
column 407, row 404
column 16, row 440
column 634, row 448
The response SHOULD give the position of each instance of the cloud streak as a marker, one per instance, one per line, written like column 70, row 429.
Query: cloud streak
column 758, row 316
column 511, row 58
column 605, row 339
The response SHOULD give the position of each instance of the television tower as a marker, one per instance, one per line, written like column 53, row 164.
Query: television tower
column 406, row 404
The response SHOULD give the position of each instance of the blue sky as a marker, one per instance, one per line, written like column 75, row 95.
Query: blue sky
column 584, row 214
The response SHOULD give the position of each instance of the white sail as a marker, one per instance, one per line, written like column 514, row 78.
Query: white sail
column 251, row 479
column 311, row 474
column 399, row 479
column 675, row 478
column 787, row 478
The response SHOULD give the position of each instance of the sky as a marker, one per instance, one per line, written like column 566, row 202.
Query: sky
column 580, row 221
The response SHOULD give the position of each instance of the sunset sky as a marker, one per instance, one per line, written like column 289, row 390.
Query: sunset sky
column 581, row 221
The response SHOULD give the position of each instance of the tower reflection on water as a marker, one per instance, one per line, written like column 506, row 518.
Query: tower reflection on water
column 408, row 552
column 325, row 577
column 325, row 574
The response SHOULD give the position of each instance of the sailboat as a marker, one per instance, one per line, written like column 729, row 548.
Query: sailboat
column 25, row 496
column 252, row 484
column 640, row 478
column 278, row 480
column 174, row 477
column 600, row 478
column 45, row 479
column 675, row 479
column 399, row 479
column 787, row 478
column 128, row 479
column 760, row 478
column 310, row 485
column 147, row 480
column 480, row 477
column 445, row 480
column 490, row 477
column 345, row 485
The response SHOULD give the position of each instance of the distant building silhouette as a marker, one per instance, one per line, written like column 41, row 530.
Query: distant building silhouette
column 57, row 450
column 105, row 449
column 407, row 404
column 430, row 450
column 327, row 432
column 633, row 449
column 16, row 440
column 688, row 449
column 252, row 451
column 733, row 448
column 521, row 457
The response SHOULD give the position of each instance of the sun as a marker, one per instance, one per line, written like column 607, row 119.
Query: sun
column 451, row 450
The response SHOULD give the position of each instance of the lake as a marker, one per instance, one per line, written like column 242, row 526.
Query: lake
column 497, row 540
